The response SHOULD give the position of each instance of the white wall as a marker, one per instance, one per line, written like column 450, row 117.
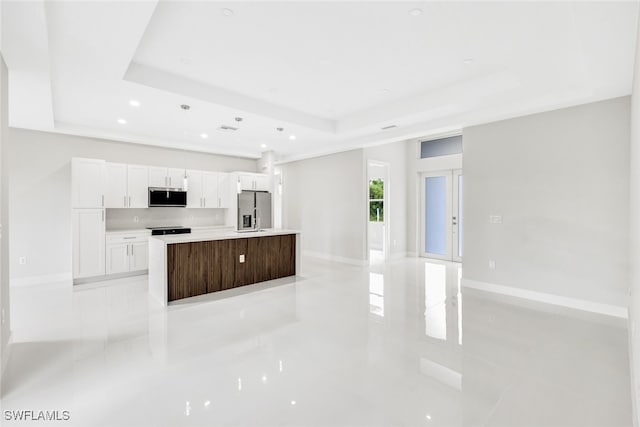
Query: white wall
column 560, row 180
column 415, row 166
column 5, row 329
column 325, row 199
column 634, row 234
column 395, row 155
column 40, row 182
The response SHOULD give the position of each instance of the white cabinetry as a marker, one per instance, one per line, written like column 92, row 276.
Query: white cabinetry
column 127, row 186
column 127, row 252
column 137, row 186
column 254, row 181
column 166, row 177
column 88, row 242
column 207, row 189
column 87, row 183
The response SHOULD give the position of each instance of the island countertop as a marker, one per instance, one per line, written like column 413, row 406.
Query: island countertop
column 186, row 265
column 203, row 236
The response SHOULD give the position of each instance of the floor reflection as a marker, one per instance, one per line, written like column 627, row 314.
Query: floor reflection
column 340, row 345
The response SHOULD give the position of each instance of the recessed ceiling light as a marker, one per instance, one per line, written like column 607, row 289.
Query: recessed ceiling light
column 228, row 12
column 204, row 136
column 292, row 137
column 263, row 145
column 468, row 61
column 134, row 103
column 185, row 107
column 122, row 121
column 415, row 12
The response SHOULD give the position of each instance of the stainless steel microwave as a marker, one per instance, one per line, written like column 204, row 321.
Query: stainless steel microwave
column 162, row 197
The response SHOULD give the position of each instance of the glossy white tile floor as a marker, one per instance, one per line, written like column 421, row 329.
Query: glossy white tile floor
column 342, row 345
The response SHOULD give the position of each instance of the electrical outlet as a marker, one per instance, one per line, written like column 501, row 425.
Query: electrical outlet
column 492, row 264
column 241, row 258
column 22, row 260
column 136, row 219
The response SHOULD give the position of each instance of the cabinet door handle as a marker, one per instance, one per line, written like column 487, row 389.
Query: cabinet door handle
column 127, row 250
column 129, row 201
column 219, row 202
column 103, row 200
column 102, row 215
column 204, row 202
column 132, row 249
column 125, row 201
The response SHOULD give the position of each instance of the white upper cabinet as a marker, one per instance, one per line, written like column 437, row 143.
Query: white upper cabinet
column 205, row 190
column 224, row 196
column 176, row 177
column 88, row 179
column 254, row 181
column 116, row 194
column 127, row 186
column 194, row 189
column 166, row 177
column 158, row 177
column 137, row 186
column 210, row 190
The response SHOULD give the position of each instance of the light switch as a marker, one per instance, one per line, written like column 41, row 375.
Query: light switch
column 242, row 258
column 495, row 219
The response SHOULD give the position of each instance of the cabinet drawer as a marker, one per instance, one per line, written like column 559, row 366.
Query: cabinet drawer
column 128, row 238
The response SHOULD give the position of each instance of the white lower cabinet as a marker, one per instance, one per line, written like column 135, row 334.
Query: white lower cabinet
column 127, row 252
column 88, row 242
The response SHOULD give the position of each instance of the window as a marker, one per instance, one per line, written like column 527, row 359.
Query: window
column 441, row 147
column 376, row 200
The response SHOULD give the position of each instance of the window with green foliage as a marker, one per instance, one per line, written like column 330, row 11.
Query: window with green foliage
column 376, row 200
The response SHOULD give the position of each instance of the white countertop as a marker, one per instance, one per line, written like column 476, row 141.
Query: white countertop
column 202, row 236
column 198, row 229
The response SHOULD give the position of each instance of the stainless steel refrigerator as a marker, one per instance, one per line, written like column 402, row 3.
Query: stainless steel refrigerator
column 254, row 210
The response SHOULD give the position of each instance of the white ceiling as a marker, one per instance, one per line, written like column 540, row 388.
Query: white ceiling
column 332, row 73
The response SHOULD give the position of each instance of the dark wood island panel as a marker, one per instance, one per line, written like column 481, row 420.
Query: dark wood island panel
column 197, row 268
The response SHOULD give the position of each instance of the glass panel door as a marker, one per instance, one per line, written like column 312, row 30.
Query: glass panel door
column 441, row 215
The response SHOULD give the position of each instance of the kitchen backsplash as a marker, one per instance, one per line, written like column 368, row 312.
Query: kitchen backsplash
column 125, row 219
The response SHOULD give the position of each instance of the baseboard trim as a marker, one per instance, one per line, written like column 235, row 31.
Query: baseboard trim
column 399, row 255
column 6, row 352
column 39, row 280
column 335, row 258
column 578, row 304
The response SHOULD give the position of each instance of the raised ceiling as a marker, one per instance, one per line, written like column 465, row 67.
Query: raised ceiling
column 331, row 73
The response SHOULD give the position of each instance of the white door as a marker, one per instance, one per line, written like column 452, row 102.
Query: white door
column 176, row 177
column 87, row 183
column 116, row 195
column 137, row 186
column 194, row 189
column 117, row 258
column 139, row 256
column 441, row 193
column 88, row 242
column 224, row 190
column 158, row 177
column 210, row 189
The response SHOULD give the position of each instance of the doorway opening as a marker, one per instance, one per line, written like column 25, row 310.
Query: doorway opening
column 441, row 215
column 377, row 211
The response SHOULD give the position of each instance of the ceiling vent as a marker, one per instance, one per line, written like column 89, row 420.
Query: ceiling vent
column 225, row 128
column 389, row 127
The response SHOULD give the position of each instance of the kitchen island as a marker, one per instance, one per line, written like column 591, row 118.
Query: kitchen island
column 187, row 265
